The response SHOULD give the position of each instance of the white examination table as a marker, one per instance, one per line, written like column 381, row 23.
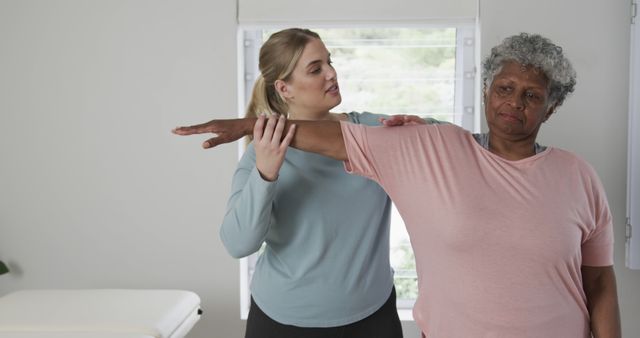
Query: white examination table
column 102, row 313
column 71, row 335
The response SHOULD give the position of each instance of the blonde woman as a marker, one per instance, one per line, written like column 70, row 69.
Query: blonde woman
column 325, row 268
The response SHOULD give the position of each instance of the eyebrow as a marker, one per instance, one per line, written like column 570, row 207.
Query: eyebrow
column 510, row 80
column 314, row 62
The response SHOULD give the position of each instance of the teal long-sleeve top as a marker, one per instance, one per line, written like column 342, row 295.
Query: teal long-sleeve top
column 326, row 258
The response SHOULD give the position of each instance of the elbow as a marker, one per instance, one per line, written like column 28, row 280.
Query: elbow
column 338, row 153
column 238, row 248
column 337, row 148
column 238, row 253
column 340, row 147
column 341, row 154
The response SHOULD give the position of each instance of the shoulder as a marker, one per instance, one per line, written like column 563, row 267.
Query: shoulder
column 366, row 118
column 447, row 130
column 574, row 161
column 559, row 154
column 432, row 134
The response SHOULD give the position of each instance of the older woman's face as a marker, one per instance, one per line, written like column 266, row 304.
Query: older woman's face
column 516, row 104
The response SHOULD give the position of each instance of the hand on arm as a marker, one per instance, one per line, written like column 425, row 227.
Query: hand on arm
column 402, row 120
column 602, row 301
column 270, row 146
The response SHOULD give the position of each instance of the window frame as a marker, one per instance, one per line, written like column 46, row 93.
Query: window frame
column 466, row 102
column 632, row 226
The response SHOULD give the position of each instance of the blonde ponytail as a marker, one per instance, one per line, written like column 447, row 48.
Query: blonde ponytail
column 265, row 99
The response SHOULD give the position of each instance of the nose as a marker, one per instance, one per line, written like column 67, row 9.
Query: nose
column 331, row 73
column 517, row 100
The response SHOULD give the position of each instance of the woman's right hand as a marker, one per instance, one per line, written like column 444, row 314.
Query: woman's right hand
column 401, row 120
column 270, row 146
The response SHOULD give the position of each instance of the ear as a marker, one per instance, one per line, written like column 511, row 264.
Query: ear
column 484, row 93
column 550, row 111
column 283, row 90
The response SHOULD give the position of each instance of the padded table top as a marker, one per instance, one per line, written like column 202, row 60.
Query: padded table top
column 71, row 335
column 139, row 313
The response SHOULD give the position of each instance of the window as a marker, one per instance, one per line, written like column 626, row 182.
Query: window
column 426, row 71
column 633, row 185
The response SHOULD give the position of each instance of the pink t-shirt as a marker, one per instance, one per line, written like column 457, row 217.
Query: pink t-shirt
column 498, row 243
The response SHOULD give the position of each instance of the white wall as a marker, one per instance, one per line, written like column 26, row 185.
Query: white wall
column 95, row 191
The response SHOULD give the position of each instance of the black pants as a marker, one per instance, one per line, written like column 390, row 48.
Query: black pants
column 384, row 323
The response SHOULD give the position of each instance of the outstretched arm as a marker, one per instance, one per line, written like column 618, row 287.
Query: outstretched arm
column 321, row 137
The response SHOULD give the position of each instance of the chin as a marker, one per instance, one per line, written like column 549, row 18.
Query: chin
column 333, row 103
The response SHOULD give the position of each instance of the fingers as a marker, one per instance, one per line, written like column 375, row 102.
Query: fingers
column 270, row 149
column 402, row 120
column 225, row 131
column 398, row 120
column 267, row 133
column 271, row 130
column 414, row 119
column 289, row 137
column 181, row 131
column 394, row 120
column 258, row 128
column 277, row 133
column 195, row 129
column 212, row 142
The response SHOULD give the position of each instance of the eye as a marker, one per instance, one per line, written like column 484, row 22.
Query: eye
column 533, row 96
column 503, row 90
column 316, row 70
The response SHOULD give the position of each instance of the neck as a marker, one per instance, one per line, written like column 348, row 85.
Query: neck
column 512, row 150
column 312, row 116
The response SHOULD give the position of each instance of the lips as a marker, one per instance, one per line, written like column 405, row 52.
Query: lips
column 510, row 117
column 333, row 90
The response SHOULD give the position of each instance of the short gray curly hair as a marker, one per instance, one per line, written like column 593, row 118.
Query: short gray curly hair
column 539, row 52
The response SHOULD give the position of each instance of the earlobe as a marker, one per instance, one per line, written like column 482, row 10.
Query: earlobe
column 549, row 113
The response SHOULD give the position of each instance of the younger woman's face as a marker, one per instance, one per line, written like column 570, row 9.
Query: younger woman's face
column 312, row 89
